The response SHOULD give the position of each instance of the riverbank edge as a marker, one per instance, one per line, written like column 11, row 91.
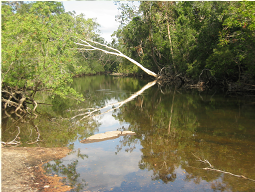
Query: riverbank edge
column 232, row 88
column 21, row 169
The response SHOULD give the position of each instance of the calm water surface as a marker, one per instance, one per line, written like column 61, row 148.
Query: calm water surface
column 179, row 133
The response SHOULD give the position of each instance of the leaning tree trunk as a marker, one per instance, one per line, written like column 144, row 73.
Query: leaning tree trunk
column 162, row 77
column 116, row 52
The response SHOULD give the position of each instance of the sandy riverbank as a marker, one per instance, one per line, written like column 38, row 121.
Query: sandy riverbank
column 21, row 169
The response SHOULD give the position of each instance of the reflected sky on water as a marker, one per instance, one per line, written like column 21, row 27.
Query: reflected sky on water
column 176, row 132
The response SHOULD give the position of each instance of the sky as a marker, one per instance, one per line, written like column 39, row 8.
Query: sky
column 104, row 11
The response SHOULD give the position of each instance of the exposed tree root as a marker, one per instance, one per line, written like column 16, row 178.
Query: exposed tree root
column 15, row 100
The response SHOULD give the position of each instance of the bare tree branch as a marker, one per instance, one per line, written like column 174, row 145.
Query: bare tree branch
column 116, row 52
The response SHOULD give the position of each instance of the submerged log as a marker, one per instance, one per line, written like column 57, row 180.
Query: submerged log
column 106, row 136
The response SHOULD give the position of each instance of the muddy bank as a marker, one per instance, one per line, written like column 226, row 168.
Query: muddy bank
column 22, row 169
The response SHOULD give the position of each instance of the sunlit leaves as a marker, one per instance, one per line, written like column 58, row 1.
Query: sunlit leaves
column 235, row 50
column 214, row 35
column 38, row 46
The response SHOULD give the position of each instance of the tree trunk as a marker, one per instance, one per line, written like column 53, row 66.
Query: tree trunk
column 116, row 52
column 171, row 46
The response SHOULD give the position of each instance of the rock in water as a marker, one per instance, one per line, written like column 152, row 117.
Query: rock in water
column 106, row 136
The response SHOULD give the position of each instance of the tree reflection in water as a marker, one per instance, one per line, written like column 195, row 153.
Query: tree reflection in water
column 67, row 171
column 209, row 126
column 202, row 127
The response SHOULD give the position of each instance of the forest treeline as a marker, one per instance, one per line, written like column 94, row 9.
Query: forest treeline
column 39, row 50
column 188, row 37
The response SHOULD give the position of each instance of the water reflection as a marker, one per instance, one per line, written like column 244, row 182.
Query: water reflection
column 203, row 127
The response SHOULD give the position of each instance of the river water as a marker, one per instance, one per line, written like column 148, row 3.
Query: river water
column 186, row 140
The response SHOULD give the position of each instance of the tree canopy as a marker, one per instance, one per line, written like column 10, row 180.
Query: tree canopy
column 188, row 37
column 38, row 50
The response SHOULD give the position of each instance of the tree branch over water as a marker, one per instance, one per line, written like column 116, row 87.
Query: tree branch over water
column 89, row 47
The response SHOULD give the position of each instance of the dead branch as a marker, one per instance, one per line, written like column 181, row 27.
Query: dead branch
column 9, row 103
column 117, row 104
column 89, row 47
column 21, row 104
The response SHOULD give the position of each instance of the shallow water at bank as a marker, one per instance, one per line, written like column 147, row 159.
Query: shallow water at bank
column 179, row 135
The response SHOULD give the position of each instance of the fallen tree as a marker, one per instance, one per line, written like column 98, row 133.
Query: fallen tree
column 89, row 47
column 166, row 75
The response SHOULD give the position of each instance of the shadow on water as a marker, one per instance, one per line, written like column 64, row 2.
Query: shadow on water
column 185, row 140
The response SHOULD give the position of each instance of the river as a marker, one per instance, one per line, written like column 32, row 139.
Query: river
column 186, row 140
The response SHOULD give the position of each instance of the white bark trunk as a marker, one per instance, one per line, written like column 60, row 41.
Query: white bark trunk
column 116, row 52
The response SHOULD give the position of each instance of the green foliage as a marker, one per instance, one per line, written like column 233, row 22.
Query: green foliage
column 233, row 55
column 192, row 36
column 38, row 47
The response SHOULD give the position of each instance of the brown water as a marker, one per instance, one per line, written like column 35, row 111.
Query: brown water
column 179, row 135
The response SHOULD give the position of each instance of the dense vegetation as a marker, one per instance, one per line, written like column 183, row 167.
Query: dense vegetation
column 208, row 126
column 39, row 50
column 187, row 37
